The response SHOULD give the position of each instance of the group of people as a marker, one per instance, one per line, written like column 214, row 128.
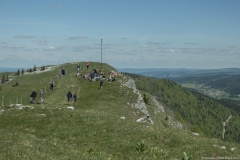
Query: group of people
column 91, row 76
column 70, row 96
column 94, row 76
column 33, row 96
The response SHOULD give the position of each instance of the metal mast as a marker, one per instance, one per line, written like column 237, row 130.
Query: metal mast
column 101, row 50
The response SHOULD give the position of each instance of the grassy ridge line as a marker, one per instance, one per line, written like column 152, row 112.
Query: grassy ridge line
column 94, row 129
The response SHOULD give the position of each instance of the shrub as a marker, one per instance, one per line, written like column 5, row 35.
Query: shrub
column 140, row 147
column 145, row 99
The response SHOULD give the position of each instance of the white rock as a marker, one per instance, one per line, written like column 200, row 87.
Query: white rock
column 232, row 149
column 141, row 119
column 196, row 134
column 223, row 147
column 70, row 107
column 122, row 117
column 42, row 115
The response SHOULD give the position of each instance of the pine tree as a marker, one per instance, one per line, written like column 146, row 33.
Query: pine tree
column 34, row 68
column 7, row 78
column 22, row 71
column 18, row 72
column 30, row 70
column 43, row 68
column 145, row 99
column 3, row 79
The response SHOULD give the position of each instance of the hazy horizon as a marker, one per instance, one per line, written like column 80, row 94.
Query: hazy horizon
column 13, row 69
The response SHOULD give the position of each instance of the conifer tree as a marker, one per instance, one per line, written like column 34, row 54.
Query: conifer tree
column 43, row 68
column 7, row 78
column 34, row 68
column 22, row 71
column 145, row 99
column 3, row 79
column 18, row 72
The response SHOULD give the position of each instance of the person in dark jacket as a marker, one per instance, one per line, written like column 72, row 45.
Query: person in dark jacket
column 69, row 96
column 75, row 98
column 63, row 71
column 78, row 67
column 101, row 83
column 51, row 85
column 34, row 95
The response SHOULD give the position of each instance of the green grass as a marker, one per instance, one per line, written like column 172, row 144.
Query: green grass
column 94, row 129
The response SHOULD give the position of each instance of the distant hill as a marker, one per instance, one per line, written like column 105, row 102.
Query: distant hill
column 216, row 83
column 180, row 72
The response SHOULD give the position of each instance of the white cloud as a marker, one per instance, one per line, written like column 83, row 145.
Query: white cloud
column 14, row 47
column 78, row 37
column 40, row 42
column 25, row 37
column 53, row 48
column 144, row 46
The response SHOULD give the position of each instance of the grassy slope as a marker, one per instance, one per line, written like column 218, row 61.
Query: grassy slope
column 94, row 129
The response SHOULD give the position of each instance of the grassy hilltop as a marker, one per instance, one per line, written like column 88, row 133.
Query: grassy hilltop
column 102, row 125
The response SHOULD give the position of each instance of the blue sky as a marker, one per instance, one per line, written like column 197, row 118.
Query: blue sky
column 136, row 33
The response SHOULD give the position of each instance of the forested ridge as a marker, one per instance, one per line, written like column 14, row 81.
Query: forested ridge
column 227, row 83
column 203, row 113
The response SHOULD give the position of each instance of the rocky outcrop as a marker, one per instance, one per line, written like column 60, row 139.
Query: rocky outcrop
column 139, row 104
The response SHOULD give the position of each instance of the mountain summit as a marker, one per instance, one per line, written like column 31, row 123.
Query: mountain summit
column 130, row 117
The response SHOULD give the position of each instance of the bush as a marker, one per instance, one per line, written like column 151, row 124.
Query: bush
column 145, row 99
column 16, row 84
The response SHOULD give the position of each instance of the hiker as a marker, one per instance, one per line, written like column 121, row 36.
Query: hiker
column 63, row 71
column 91, row 76
column 85, row 76
column 69, row 96
column 88, row 64
column 34, row 95
column 102, row 74
column 113, row 78
column 78, row 67
column 75, row 98
column 31, row 97
column 95, row 71
column 51, row 85
column 101, row 83
column 41, row 96
column 110, row 77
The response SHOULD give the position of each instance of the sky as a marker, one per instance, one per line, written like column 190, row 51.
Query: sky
column 194, row 34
